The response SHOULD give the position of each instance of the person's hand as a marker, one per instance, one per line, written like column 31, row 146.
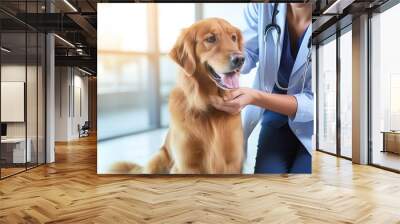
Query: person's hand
column 235, row 100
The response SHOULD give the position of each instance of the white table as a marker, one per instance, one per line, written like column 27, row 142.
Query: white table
column 19, row 155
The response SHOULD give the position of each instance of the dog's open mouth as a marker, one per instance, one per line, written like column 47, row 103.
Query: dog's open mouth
column 228, row 80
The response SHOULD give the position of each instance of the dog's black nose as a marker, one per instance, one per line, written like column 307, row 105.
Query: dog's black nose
column 237, row 60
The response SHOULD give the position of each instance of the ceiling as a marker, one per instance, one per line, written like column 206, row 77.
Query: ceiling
column 333, row 15
column 74, row 22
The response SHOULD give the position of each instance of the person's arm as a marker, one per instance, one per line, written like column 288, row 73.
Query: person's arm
column 299, row 107
column 305, row 107
column 237, row 99
column 280, row 103
column 250, row 36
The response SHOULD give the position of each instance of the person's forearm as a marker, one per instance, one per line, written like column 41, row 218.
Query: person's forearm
column 283, row 104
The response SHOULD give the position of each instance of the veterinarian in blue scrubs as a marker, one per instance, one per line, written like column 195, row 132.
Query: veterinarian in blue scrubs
column 281, row 96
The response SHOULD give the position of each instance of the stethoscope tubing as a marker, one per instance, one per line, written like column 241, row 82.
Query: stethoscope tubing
column 268, row 30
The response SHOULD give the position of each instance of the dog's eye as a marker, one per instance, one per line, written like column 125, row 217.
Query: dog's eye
column 234, row 38
column 211, row 39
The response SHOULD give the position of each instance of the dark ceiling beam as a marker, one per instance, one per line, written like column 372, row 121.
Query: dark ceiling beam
column 69, row 23
column 11, row 25
column 332, row 29
column 345, row 11
column 49, row 22
column 63, row 7
column 337, row 7
column 78, row 61
column 91, row 5
column 65, row 51
column 61, row 22
column 81, row 21
column 16, row 18
column 84, row 24
column 89, row 70
column 320, row 23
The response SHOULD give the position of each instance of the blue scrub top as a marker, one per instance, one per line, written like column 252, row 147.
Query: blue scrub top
column 288, row 58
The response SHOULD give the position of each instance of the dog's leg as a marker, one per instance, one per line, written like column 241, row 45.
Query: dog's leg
column 176, row 170
column 185, row 170
column 235, row 167
column 188, row 156
column 160, row 163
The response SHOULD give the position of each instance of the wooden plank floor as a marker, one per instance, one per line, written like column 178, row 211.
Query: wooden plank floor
column 69, row 191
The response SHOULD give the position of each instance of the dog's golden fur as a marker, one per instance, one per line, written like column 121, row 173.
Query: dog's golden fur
column 200, row 139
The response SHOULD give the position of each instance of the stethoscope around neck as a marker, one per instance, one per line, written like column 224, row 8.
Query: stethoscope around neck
column 268, row 30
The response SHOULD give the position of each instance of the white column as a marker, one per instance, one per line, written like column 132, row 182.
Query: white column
column 50, row 92
column 360, row 90
column 63, row 101
column 50, row 99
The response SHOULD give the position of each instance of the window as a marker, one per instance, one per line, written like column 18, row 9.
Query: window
column 173, row 25
column 327, row 96
column 135, row 74
column 129, row 19
column 122, row 94
column 123, row 69
column 385, row 89
column 22, row 76
column 13, row 72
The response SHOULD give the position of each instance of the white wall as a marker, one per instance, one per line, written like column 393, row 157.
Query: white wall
column 33, row 126
column 16, row 73
column 79, row 117
column 70, row 83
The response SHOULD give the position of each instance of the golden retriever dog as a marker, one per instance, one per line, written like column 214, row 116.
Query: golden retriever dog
column 201, row 139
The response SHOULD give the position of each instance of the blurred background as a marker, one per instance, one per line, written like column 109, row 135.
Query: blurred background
column 135, row 74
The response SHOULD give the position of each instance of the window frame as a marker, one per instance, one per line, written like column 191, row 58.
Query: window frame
column 334, row 37
column 27, row 29
column 379, row 10
column 153, row 56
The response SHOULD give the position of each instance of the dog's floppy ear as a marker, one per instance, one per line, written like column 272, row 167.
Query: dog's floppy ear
column 183, row 51
column 239, row 39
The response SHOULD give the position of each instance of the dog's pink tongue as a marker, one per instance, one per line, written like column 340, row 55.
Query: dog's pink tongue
column 231, row 81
